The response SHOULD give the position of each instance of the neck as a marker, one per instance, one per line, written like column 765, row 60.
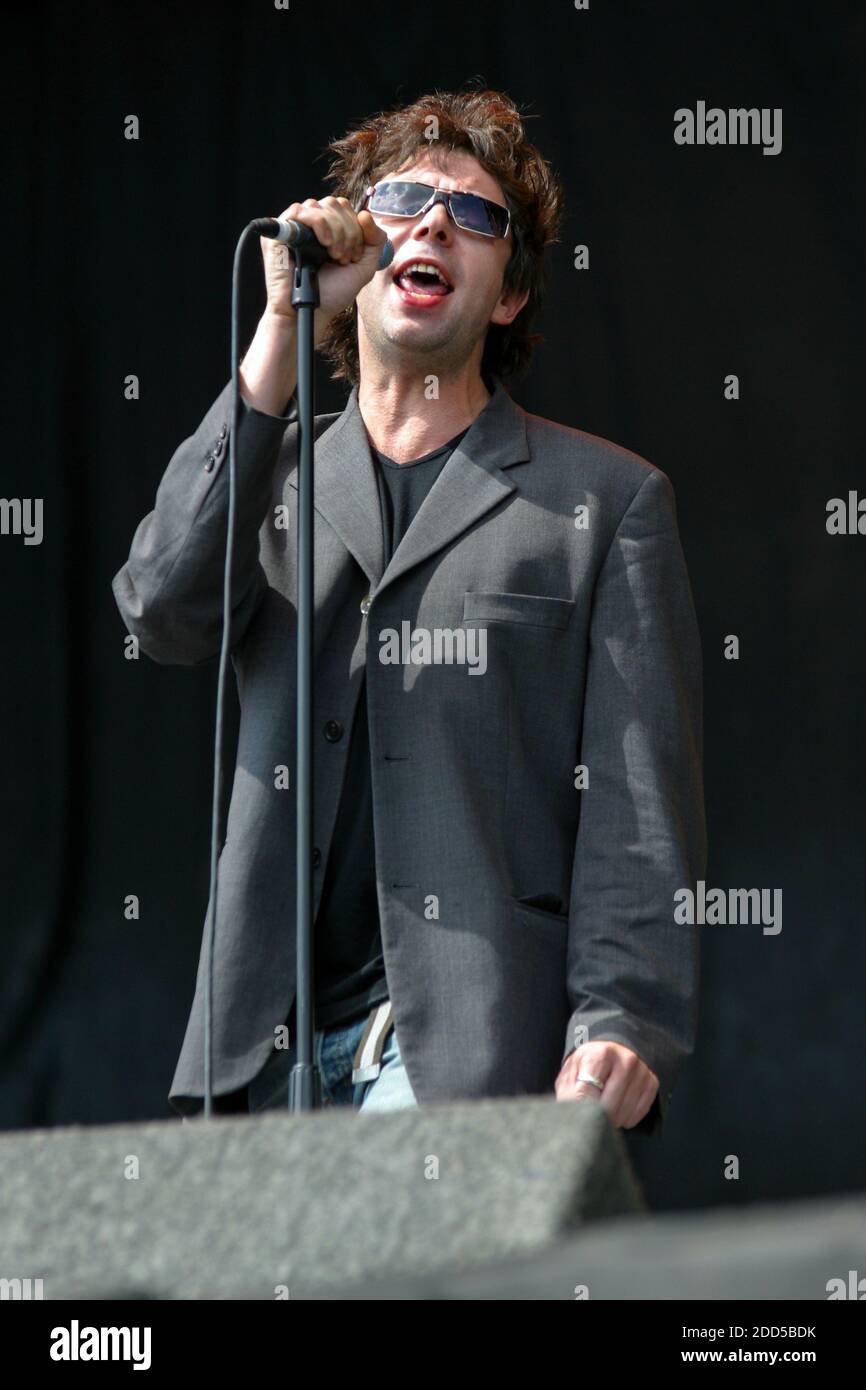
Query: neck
column 400, row 419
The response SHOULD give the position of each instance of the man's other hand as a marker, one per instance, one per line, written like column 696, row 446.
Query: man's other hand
column 629, row 1086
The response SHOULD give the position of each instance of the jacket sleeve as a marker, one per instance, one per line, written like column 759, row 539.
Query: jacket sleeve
column 632, row 971
column 170, row 591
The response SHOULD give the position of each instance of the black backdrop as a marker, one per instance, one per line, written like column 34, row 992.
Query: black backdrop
column 704, row 262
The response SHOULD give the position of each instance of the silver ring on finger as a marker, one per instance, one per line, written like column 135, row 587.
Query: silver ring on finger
column 592, row 1080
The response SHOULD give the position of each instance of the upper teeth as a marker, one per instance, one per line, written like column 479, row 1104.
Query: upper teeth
column 426, row 268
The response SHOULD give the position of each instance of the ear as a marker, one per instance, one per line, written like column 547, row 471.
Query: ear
column 508, row 306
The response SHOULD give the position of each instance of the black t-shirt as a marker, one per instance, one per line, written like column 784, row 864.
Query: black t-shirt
column 347, row 945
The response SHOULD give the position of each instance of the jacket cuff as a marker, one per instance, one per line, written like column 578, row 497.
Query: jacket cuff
column 289, row 414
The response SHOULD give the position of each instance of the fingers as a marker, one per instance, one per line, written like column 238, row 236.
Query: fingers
column 335, row 224
column 623, row 1088
column 629, row 1085
column 601, row 1071
column 634, row 1110
column 590, row 1063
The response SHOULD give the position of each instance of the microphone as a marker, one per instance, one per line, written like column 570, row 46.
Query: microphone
column 293, row 233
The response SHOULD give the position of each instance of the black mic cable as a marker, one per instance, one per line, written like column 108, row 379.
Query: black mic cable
column 292, row 233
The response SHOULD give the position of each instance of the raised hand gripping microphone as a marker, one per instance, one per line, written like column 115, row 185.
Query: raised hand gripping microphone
column 293, row 233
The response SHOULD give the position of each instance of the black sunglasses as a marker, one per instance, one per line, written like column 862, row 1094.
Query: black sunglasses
column 467, row 210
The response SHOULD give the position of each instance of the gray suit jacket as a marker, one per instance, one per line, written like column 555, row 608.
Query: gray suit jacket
column 515, row 906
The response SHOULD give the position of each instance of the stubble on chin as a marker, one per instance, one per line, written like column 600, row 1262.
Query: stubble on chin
column 441, row 348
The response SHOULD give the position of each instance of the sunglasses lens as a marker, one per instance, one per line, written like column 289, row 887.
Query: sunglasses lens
column 470, row 213
column 399, row 199
column 498, row 218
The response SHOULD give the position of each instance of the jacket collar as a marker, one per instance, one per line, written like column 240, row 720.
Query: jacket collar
column 470, row 485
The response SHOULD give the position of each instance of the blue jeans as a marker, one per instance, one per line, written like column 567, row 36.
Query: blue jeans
column 334, row 1050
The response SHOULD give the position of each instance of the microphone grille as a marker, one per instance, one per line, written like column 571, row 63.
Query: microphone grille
column 387, row 255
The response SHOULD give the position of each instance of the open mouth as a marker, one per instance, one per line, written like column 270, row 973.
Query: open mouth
column 423, row 282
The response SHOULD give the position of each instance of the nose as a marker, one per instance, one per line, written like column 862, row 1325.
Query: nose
column 437, row 224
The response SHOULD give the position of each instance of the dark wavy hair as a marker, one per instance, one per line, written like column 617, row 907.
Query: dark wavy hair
column 489, row 126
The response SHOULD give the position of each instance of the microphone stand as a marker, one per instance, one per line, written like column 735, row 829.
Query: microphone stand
column 305, row 1083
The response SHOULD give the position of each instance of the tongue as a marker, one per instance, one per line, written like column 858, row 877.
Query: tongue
column 426, row 284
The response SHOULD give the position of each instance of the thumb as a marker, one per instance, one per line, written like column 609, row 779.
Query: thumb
column 373, row 234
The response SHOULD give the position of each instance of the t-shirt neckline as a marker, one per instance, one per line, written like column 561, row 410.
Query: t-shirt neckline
column 426, row 458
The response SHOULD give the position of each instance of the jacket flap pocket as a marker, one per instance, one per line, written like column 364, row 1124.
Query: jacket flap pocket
column 535, row 609
column 548, row 926
column 544, row 902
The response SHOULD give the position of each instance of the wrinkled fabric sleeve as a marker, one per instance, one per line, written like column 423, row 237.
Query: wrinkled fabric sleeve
column 170, row 590
column 632, row 971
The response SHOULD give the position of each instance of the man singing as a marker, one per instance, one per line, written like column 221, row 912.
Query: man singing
column 507, row 668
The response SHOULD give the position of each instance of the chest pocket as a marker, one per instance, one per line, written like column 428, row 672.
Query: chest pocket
column 536, row 610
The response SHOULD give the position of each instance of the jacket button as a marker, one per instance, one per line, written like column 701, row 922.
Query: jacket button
column 222, row 431
column 317, row 856
column 208, row 468
column 333, row 731
column 365, row 604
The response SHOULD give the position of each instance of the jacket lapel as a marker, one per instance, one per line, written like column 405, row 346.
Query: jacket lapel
column 471, row 484
column 345, row 488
